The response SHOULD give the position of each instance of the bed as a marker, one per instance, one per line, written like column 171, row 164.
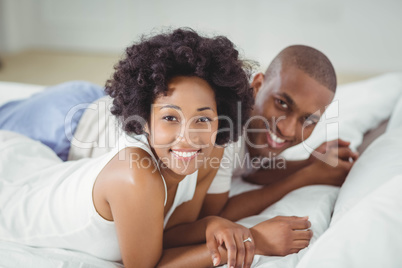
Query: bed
column 356, row 225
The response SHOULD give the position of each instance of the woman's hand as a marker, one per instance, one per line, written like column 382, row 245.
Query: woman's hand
column 230, row 236
column 281, row 235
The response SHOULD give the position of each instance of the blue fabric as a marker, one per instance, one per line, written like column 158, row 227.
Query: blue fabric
column 42, row 116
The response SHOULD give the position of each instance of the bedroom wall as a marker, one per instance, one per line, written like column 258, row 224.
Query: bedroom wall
column 16, row 29
column 2, row 29
column 360, row 36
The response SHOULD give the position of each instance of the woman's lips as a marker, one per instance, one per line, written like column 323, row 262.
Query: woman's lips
column 185, row 154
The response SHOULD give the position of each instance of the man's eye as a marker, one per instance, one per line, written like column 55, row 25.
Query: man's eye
column 309, row 121
column 169, row 118
column 282, row 103
column 204, row 119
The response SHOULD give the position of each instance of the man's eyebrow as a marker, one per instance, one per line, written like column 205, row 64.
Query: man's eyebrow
column 170, row 106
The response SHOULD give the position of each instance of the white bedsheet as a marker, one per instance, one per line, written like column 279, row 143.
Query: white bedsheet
column 317, row 202
column 314, row 201
column 14, row 255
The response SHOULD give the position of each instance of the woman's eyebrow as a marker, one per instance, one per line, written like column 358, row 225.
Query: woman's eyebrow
column 170, row 106
column 178, row 108
column 204, row 108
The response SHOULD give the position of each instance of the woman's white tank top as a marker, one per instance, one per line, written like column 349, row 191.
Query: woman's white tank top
column 45, row 202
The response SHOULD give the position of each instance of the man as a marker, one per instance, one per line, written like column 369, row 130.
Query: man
column 289, row 99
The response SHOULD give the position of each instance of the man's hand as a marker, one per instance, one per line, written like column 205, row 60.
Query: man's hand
column 281, row 235
column 320, row 151
column 331, row 162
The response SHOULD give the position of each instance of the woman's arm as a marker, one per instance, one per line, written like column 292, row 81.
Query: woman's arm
column 190, row 256
column 213, row 204
column 136, row 199
column 217, row 232
column 186, row 234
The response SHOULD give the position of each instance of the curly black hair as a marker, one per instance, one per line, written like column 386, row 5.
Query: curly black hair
column 142, row 75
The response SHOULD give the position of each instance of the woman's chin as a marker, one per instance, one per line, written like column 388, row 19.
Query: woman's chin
column 184, row 171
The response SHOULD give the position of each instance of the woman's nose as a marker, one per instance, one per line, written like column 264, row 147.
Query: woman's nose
column 188, row 136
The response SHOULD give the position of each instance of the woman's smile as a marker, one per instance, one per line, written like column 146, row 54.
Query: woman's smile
column 185, row 154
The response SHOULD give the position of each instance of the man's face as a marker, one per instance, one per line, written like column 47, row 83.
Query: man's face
column 287, row 108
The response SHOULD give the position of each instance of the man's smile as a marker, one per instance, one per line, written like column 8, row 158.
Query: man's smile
column 274, row 141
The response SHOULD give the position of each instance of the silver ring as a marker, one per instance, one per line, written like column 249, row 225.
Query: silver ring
column 247, row 240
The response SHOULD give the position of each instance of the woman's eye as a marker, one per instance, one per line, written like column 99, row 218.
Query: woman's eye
column 204, row 119
column 282, row 103
column 169, row 118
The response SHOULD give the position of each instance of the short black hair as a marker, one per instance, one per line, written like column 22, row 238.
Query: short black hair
column 307, row 59
column 143, row 74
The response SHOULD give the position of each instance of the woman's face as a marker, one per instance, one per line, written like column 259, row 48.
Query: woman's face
column 183, row 125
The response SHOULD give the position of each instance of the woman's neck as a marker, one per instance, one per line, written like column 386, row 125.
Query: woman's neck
column 172, row 179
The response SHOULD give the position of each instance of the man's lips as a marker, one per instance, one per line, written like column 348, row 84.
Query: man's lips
column 274, row 141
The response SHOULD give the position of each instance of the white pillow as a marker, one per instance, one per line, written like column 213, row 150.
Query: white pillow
column 396, row 117
column 368, row 235
column 97, row 131
column 315, row 201
column 357, row 108
column 381, row 161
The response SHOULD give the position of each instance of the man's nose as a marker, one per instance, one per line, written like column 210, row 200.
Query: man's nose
column 287, row 126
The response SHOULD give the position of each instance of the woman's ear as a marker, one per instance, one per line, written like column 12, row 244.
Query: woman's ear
column 146, row 129
column 257, row 82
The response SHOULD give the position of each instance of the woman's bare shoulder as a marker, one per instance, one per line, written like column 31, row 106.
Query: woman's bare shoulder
column 130, row 175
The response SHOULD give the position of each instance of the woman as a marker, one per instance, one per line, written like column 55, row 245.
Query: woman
column 168, row 92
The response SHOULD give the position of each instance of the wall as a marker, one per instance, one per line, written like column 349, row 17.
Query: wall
column 359, row 36
column 16, row 27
